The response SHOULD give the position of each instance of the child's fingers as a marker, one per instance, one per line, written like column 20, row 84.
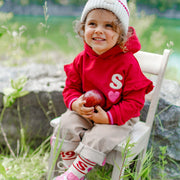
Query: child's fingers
column 87, row 110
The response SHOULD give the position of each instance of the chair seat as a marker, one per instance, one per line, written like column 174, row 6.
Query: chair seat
column 138, row 137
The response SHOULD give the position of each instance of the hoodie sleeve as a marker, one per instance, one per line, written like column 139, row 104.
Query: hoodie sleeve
column 133, row 96
column 73, row 87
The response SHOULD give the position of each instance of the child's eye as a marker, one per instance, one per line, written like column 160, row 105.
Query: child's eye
column 92, row 24
column 109, row 25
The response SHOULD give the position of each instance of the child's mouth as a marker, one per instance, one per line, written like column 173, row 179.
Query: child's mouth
column 98, row 39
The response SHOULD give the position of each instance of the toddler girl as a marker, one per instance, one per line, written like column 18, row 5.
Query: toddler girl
column 107, row 64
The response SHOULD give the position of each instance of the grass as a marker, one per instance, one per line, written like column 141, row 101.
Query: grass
column 57, row 33
column 25, row 36
column 60, row 28
column 25, row 168
column 171, row 30
column 61, row 36
column 30, row 165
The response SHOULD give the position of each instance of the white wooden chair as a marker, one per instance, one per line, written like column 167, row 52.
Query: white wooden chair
column 153, row 64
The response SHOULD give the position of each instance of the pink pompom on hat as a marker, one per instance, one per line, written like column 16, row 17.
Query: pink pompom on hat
column 118, row 7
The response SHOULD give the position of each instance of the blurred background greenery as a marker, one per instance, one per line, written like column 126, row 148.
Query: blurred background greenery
column 160, row 4
column 30, row 38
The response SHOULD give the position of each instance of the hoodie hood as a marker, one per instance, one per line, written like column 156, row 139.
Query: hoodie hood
column 132, row 44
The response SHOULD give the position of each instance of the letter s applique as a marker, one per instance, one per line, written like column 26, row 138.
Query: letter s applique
column 116, row 81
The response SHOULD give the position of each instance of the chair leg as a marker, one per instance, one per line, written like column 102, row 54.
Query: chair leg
column 58, row 167
column 51, row 169
column 118, row 170
column 140, row 162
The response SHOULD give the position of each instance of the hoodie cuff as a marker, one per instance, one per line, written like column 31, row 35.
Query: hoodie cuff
column 110, row 117
column 70, row 103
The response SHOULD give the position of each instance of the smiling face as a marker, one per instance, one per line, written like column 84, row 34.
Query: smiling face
column 100, row 31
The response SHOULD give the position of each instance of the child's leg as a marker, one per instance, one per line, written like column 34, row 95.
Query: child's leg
column 96, row 143
column 68, row 158
column 73, row 126
column 102, row 139
column 71, row 131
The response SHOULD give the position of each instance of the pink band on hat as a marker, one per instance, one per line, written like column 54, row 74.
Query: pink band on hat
column 124, row 7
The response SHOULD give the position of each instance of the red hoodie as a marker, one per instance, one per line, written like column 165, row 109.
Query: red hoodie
column 116, row 74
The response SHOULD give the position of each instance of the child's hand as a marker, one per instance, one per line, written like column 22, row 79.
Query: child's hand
column 100, row 117
column 79, row 107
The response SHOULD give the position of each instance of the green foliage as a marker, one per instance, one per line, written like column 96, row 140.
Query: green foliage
column 46, row 17
column 3, row 171
column 144, row 27
column 77, row 2
column 10, row 95
column 56, row 152
column 31, row 165
column 15, row 91
column 162, row 5
column 100, row 173
column 162, row 162
column 126, row 154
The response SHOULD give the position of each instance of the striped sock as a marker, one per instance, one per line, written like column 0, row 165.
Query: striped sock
column 81, row 166
column 68, row 158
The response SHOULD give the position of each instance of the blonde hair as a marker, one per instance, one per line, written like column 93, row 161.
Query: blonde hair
column 79, row 28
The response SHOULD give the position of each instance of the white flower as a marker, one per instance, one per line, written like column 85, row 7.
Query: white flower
column 14, row 33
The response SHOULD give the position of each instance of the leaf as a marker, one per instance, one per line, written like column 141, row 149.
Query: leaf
column 8, row 91
column 8, row 101
column 23, row 93
column 15, row 91
column 1, row 34
column 19, row 83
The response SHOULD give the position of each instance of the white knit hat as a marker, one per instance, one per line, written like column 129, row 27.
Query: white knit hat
column 118, row 7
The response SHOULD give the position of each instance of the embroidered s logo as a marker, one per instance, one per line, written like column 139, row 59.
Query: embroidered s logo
column 116, row 81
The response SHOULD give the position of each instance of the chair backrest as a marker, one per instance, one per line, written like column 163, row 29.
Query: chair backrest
column 153, row 64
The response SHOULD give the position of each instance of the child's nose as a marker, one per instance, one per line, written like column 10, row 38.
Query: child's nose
column 99, row 29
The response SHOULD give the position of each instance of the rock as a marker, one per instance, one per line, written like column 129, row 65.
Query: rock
column 166, row 132
column 43, row 103
column 170, row 91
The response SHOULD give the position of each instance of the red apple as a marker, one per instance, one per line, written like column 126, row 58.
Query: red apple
column 93, row 98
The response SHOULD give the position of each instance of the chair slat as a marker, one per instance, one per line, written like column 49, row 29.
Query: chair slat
column 149, row 62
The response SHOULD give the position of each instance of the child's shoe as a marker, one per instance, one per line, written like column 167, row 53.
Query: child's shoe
column 68, row 176
column 80, row 167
